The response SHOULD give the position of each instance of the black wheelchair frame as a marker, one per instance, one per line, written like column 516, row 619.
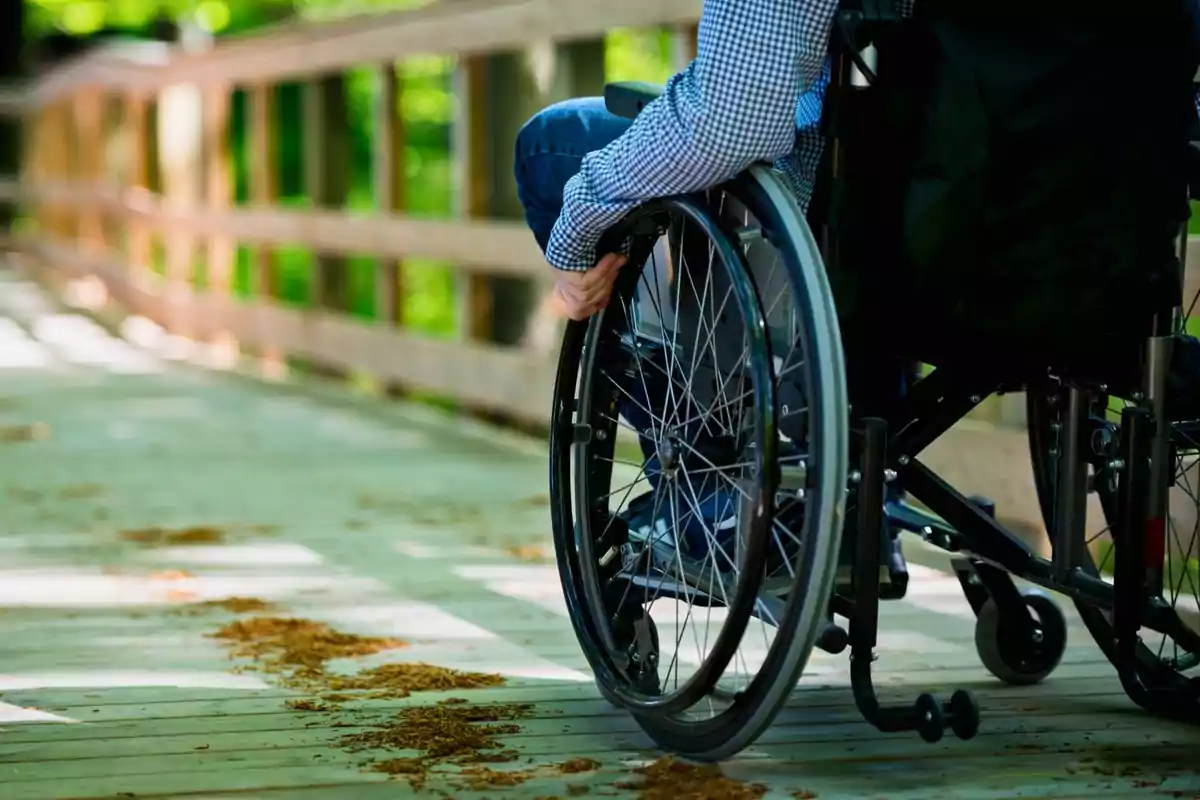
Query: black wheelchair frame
column 987, row 554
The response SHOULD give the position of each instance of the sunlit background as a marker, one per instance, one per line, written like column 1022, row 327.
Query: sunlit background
column 426, row 106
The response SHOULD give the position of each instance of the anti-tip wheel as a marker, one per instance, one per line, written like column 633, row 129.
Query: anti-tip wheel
column 964, row 714
column 931, row 724
column 1021, row 660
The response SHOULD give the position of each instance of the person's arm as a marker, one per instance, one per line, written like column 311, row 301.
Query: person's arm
column 733, row 105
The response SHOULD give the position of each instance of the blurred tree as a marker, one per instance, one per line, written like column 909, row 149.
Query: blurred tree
column 90, row 17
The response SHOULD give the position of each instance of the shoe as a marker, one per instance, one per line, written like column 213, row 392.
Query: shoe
column 692, row 527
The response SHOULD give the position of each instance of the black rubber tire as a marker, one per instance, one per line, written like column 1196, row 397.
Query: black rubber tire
column 1040, row 416
column 764, row 193
column 1016, row 663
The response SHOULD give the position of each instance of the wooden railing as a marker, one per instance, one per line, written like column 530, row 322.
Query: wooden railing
column 86, row 188
column 90, row 164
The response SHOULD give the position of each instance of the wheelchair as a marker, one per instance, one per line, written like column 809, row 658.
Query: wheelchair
column 755, row 442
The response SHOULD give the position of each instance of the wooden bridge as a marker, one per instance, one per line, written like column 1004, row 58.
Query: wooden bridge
column 242, row 557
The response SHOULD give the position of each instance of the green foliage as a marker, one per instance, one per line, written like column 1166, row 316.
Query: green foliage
column 638, row 55
column 426, row 107
column 83, row 17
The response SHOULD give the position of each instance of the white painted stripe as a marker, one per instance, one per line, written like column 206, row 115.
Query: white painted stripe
column 129, row 679
column 418, row 550
column 67, row 588
column 408, row 619
column 265, row 554
column 16, row 714
column 81, row 341
column 500, row 657
column 532, row 583
column 18, row 351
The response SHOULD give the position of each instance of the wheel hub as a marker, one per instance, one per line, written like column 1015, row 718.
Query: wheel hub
column 669, row 453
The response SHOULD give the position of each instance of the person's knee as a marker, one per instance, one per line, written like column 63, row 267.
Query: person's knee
column 571, row 128
column 549, row 151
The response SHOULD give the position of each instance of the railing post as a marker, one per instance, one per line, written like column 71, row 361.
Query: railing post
column 264, row 188
column 136, row 180
column 327, row 175
column 179, row 142
column 218, row 193
column 683, row 45
column 218, row 185
column 388, row 171
column 502, row 92
column 263, row 177
column 88, row 123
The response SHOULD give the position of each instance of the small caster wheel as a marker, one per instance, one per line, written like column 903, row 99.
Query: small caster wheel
column 964, row 714
column 642, row 674
column 833, row 639
column 931, row 724
column 1021, row 660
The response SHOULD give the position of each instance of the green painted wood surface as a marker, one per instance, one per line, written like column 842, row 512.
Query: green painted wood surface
column 386, row 519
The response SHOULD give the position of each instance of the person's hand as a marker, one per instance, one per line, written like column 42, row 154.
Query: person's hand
column 579, row 295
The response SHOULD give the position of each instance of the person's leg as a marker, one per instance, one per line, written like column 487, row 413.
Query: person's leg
column 549, row 151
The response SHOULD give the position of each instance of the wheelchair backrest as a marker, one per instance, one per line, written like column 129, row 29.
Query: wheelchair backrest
column 1016, row 179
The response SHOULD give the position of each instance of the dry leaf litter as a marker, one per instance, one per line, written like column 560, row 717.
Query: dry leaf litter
column 669, row 779
column 452, row 733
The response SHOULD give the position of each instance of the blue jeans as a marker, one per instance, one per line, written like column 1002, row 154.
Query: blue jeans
column 550, row 149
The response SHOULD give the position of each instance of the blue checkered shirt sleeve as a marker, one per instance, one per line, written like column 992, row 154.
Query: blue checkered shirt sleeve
column 735, row 104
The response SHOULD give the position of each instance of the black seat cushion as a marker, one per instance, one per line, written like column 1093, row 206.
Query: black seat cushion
column 1014, row 187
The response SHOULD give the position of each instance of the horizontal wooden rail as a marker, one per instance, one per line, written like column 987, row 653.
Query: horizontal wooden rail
column 506, row 380
column 485, row 247
column 461, row 27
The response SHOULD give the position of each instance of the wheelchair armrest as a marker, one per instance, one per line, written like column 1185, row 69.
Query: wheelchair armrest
column 627, row 98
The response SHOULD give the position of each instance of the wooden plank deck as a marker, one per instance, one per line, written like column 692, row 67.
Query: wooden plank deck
column 389, row 521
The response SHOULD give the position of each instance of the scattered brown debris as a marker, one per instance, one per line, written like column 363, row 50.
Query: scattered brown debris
column 426, row 511
column 576, row 789
column 80, row 491
column 309, row 705
column 168, row 575
column 577, row 765
column 537, row 501
column 528, row 552
column 233, row 605
column 298, row 648
column 448, row 734
column 804, row 794
column 25, row 495
column 477, row 778
column 33, row 432
column 669, row 779
column 155, row 536
column 413, row 767
column 392, row 681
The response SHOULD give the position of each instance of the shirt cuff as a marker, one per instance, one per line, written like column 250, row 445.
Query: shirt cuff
column 570, row 248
